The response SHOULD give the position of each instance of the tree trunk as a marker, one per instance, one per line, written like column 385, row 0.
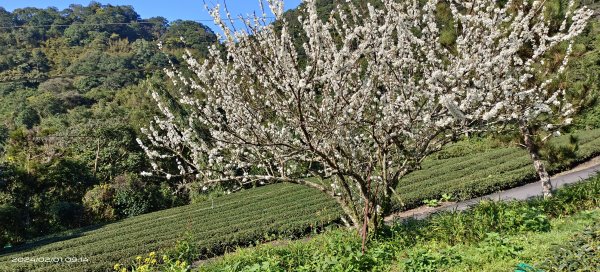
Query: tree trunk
column 538, row 163
column 354, row 219
column 542, row 174
column 370, row 222
column 97, row 156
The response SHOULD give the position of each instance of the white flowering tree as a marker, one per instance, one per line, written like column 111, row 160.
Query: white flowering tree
column 512, row 56
column 374, row 95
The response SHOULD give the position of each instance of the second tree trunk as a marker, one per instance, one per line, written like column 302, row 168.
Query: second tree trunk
column 538, row 163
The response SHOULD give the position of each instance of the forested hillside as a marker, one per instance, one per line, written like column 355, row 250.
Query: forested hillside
column 73, row 95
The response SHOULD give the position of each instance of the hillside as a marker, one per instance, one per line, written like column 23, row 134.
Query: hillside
column 276, row 211
column 558, row 234
column 74, row 94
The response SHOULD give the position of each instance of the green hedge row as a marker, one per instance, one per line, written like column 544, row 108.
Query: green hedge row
column 234, row 220
column 478, row 174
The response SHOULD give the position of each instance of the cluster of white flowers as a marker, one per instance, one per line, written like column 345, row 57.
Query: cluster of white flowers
column 508, row 85
column 369, row 99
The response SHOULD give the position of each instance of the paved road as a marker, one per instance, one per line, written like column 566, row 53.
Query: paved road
column 517, row 193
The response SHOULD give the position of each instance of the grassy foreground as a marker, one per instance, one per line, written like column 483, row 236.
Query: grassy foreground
column 539, row 250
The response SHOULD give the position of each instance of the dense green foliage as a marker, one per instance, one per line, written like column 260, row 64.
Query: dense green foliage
column 434, row 244
column 215, row 226
column 581, row 253
column 73, row 96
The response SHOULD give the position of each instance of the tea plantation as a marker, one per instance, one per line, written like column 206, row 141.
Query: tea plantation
column 238, row 219
column 485, row 172
column 281, row 210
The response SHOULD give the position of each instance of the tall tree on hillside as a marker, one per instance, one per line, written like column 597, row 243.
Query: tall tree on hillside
column 370, row 101
column 516, row 58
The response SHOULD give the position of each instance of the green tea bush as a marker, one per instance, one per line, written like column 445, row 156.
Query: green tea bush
column 477, row 167
column 214, row 228
column 582, row 253
column 467, row 147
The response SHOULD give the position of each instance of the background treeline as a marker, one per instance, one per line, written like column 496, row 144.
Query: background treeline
column 74, row 94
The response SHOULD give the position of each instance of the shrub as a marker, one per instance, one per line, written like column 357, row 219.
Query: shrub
column 11, row 226
column 427, row 260
column 474, row 225
column 66, row 215
column 185, row 250
column 135, row 196
column 98, row 203
column 130, row 202
column 127, row 196
column 152, row 263
column 582, row 253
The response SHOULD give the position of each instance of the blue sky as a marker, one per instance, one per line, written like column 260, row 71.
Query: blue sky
column 170, row 9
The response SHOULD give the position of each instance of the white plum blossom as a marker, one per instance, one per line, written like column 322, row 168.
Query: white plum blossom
column 365, row 103
column 508, row 86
